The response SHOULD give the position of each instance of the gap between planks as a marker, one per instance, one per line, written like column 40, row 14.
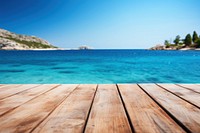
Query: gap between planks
column 107, row 114
column 28, row 115
column 183, row 93
column 10, row 103
column 193, row 87
column 184, row 113
column 145, row 114
column 47, row 121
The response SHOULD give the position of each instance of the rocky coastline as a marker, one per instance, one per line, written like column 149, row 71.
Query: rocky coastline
column 163, row 47
column 13, row 41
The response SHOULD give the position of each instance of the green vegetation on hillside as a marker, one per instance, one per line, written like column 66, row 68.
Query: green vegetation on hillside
column 29, row 43
column 189, row 41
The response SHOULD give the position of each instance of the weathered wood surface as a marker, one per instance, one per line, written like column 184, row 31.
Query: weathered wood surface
column 71, row 115
column 100, row 108
column 107, row 113
column 14, row 90
column 194, row 87
column 26, row 117
column 145, row 114
column 14, row 101
column 186, row 113
column 184, row 93
column 8, row 86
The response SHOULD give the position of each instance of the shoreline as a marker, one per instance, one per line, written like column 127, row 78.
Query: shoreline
column 183, row 49
column 162, row 47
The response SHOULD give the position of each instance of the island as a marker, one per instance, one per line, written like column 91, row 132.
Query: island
column 188, row 43
column 84, row 47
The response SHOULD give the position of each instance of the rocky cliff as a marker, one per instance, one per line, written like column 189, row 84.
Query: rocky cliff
column 12, row 41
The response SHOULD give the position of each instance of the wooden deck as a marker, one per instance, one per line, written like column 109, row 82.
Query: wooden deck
column 110, row 108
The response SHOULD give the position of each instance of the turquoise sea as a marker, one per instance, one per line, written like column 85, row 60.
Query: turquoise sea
column 99, row 66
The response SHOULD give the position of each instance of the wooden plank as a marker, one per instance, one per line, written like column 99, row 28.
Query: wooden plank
column 107, row 113
column 184, row 112
column 145, row 114
column 14, row 101
column 29, row 115
column 9, row 86
column 71, row 115
column 1, row 85
column 186, row 94
column 193, row 87
column 12, row 90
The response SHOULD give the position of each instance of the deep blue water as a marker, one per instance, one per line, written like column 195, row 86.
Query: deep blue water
column 99, row 66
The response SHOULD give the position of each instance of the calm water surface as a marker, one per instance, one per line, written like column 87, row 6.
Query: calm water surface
column 99, row 66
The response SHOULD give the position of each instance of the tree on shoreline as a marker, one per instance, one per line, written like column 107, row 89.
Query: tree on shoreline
column 195, row 37
column 177, row 40
column 167, row 44
column 188, row 40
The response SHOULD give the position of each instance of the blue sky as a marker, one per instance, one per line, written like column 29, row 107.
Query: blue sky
column 101, row 23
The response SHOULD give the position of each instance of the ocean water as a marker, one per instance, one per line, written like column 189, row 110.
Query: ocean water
column 99, row 66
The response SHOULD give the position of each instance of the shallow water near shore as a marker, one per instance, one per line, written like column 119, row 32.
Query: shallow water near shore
column 99, row 66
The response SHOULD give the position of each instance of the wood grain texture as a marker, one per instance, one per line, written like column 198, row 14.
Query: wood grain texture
column 26, row 117
column 8, row 86
column 184, row 93
column 145, row 114
column 186, row 113
column 66, row 108
column 70, row 116
column 107, row 113
column 12, row 90
column 14, row 101
column 194, row 87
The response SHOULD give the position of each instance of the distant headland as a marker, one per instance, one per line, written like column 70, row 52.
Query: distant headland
column 188, row 43
column 13, row 41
